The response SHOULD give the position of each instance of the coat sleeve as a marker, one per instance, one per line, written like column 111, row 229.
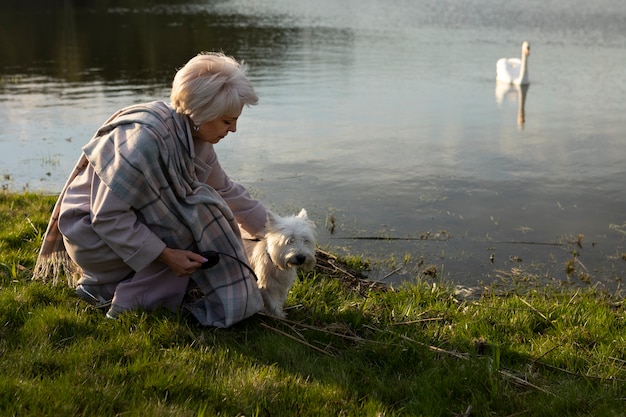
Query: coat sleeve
column 118, row 226
column 250, row 213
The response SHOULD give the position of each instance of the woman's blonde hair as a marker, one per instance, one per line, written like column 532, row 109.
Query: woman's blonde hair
column 211, row 85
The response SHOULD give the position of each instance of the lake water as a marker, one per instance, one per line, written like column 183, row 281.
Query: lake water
column 381, row 117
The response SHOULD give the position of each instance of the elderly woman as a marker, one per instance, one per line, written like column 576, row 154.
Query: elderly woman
column 148, row 197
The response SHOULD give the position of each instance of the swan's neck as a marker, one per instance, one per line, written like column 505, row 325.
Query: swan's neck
column 523, row 74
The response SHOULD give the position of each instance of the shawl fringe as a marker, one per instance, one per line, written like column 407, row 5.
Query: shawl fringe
column 54, row 267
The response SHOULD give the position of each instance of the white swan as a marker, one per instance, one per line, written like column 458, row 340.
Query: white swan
column 514, row 70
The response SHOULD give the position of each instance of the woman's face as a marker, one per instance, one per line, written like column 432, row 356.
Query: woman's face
column 215, row 130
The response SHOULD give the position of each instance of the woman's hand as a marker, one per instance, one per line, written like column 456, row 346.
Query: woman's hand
column 182, row 262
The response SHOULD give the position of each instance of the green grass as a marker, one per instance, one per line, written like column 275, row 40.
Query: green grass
column 417, row 350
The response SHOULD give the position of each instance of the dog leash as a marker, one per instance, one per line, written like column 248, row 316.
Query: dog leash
column 213, row 258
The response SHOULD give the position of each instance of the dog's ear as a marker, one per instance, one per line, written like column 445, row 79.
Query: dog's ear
column 305, row 216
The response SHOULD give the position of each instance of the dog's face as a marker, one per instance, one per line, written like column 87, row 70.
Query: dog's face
column 291, row 241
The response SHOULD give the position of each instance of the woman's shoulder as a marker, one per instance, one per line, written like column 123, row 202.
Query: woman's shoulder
column 157, row 115
column 157, row 108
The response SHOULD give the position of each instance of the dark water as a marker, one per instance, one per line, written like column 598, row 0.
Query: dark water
column 382, row 118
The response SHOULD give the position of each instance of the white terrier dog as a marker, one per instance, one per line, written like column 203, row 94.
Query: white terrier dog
column 289, row 244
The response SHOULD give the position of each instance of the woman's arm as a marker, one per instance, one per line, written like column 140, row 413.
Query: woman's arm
column 118, row 225
column 250, row 213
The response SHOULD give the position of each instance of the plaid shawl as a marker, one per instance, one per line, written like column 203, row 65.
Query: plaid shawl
column 144, row 154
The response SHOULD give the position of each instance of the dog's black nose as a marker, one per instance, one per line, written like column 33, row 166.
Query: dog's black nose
column 300, row 259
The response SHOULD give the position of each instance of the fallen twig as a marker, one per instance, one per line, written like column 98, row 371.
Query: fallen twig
column 523, row 382
column 391, row 273
column 322, row 330
column 465, row 356
column 418, row 321
column 437, row 349
column 297, row 340
column 577, row 374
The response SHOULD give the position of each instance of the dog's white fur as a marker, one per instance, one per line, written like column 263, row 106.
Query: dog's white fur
column 288, row 244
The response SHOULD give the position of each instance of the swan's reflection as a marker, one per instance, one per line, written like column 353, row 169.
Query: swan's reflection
column 508, row 92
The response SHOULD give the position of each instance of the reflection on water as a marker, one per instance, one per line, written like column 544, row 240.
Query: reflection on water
column 513, row 93
column 379, row 114
column 82, row 41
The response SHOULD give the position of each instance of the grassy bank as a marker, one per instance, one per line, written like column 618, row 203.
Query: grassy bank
column 346, row 349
